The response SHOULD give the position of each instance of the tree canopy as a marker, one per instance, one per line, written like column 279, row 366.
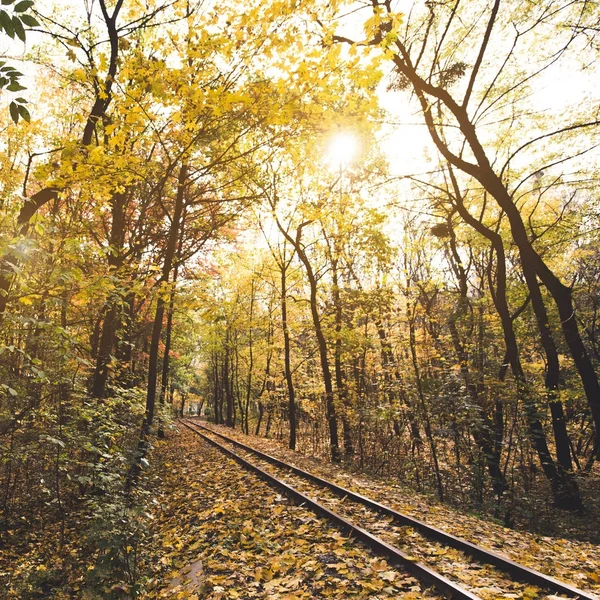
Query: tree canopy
column 203, row 210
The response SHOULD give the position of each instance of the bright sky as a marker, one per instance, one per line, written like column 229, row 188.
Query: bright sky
column 405, row 139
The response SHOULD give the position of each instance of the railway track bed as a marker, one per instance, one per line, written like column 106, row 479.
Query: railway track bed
column 251, row 541
column 455, row 567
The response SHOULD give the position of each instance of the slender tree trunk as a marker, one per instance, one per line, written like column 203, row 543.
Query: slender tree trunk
column 227, row 385
column 321, row 342
column 287, row 359
column 164, row 380
column 160, row 305
column 564, row 487
column 261, row 412
column 111, row 311
column 249, row 379
column 482, row 427
column 157, row 327
column 182, row 405
column 552, row 378
column 340, row 384
column 216, row 389
column 269, row 422
column 322, row 345
column 327, row 379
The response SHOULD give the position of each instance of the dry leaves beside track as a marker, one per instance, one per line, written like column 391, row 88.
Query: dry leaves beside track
column 244, row 540
column 571, row 561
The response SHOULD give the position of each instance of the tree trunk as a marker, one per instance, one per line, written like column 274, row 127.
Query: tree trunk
column 340, row 384
column 287, row 360
column 322, row 345
column 482, row 430
column 111, row 312
column 261, row 412
column 227, row 385
column 164, row 380
column 142, row 448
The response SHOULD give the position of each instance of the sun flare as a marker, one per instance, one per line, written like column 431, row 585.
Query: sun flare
column 343, row 148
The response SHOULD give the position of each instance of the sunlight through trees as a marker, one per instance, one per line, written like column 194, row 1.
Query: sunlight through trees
column 205, row 209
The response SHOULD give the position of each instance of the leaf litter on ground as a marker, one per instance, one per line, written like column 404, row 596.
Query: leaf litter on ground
column 571, row 561
column 220, row 532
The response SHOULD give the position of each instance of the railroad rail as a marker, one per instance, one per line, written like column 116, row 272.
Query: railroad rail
column 420, row 570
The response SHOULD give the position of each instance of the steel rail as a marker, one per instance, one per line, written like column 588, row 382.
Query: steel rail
column 421, row 571
column 523, row 573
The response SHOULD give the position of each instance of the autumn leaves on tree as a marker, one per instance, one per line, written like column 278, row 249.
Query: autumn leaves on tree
column 177, row 234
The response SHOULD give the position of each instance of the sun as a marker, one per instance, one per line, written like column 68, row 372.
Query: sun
column 342, row 149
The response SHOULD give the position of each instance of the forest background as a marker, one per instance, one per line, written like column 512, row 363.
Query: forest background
column 367, row 229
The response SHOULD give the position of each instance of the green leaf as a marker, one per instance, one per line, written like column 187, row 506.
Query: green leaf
column 24, row 113
column 23, row 6
column 14, row 112
column 6, row 23
column 21, row 100
column 7, row 2
column 30, row 21
column 18, row 28
column 15, row 87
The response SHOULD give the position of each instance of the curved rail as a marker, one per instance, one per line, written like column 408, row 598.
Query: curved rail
column 521, row 572
column 421, row 571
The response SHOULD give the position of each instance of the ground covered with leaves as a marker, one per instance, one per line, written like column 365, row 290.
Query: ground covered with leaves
column 572, row 561
column 220, row 532
column 199, row 526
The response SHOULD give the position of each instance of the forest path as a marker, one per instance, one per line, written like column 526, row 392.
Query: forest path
column 242, row 539
column 452, row 565
column 574, row 562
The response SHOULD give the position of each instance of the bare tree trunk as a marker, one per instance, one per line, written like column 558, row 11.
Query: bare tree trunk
column 227, row 384
column 287, row 359
column 321, row 342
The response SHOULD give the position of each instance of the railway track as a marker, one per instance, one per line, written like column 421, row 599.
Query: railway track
column 428, row 553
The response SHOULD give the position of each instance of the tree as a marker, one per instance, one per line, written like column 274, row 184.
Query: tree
column 432, row 67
